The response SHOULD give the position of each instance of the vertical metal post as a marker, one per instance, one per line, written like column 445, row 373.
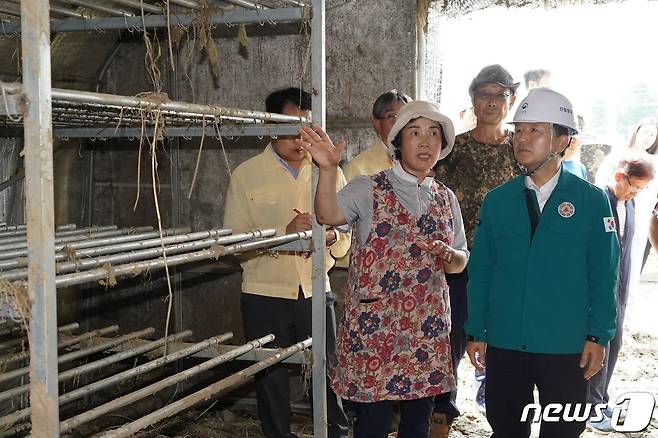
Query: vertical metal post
column 318, row 81
column 175, row 189
column 35, row 23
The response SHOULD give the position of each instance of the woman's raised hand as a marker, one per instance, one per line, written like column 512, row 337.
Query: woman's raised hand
column 319, row 145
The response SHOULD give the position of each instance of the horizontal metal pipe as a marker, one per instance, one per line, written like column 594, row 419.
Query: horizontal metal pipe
column 186, row 3
column 134, row 102
column 61, row 11
column 97, row 7
column 149, row 265
column 192, row 130
column 62, row 344
column 92, row 243
column 141, row 393
column 67, row 12
column 125, row 257
column 23, row 414
column 296, row 3
column 246, row 4
column 9, row 10
column 8, row 395
column 16, row 342
column 127, row 354
column 59, row 235
column 241, row 16
column 19, row 328
column 11, row 181
column 111, row 246
column 86, row 97
column 267, row 243
column 78, row 238
column 204, row 395
column 136, row 4
column 13, row 229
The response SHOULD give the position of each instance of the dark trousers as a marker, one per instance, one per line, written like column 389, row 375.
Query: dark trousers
column 447, row 403
column 373, row 419
column 598, row 385
column 511, row 378
column 290, row 322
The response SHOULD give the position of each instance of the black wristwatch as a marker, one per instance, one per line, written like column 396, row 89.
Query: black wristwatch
column 592, row 338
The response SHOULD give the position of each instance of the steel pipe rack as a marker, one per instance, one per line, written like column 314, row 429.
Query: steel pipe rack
column 73, row 355
column 255, row 15
column 18, row 341
column 91, row 243
column 81, row 233
column 132, row 269
column 90, row 102
column 142, row 393
column 11, row 246
column 36, row 102
column 119, row 244
column 208, row 393
column 7, row 359
column 123, row 355
column 90, row 263
column 76, row 394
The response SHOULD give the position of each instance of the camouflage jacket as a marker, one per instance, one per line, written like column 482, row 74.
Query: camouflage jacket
column 474, row 168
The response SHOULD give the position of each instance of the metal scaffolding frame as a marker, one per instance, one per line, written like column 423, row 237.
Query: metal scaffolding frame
column 44, row 109
column 241, row 16
column 110, row 115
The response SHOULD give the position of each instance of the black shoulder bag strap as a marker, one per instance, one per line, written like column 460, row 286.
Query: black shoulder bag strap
column 532, row 212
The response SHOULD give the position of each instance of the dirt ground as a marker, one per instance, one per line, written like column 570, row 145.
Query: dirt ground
column 636, row 371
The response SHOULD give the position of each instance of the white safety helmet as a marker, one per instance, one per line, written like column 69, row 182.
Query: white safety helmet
column 544, row 105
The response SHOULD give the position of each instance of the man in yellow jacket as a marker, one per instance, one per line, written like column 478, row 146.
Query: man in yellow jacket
column 273, row 190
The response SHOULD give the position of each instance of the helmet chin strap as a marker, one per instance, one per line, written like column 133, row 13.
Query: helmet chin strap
column 527, row 172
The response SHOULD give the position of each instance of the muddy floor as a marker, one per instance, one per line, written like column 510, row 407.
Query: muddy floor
column 636, row 371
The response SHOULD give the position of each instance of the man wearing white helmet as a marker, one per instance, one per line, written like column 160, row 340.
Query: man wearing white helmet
column 541, row 295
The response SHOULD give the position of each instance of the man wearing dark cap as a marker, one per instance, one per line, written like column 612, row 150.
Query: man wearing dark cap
column 481, row 160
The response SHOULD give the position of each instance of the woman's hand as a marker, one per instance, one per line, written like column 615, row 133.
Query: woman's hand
column 319, row 145
column 438, row 248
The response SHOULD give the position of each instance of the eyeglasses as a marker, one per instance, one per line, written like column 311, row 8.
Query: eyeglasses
column 497, row 97
column 390, row 117
column 634, row 188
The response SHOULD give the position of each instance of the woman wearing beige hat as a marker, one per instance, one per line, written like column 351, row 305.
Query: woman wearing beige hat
column 393, row 342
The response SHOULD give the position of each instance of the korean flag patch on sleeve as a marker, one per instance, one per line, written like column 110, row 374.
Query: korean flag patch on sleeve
column 609, row 224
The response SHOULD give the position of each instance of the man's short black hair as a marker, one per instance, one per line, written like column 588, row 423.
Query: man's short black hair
column 275, row 102
column 385, row 101
column 534, row 75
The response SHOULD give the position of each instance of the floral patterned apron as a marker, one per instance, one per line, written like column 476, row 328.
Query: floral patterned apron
column 393, row 342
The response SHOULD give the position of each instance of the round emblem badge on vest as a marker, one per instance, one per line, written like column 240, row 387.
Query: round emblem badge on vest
column 566, row 209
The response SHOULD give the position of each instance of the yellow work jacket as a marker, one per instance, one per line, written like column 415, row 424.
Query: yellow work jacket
column 369, row 162
column 263, row 194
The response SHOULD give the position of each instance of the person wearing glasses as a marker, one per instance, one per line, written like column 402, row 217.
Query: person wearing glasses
column 481, row 160
column 273, row 190
column 377, row 157
column 632, row 176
